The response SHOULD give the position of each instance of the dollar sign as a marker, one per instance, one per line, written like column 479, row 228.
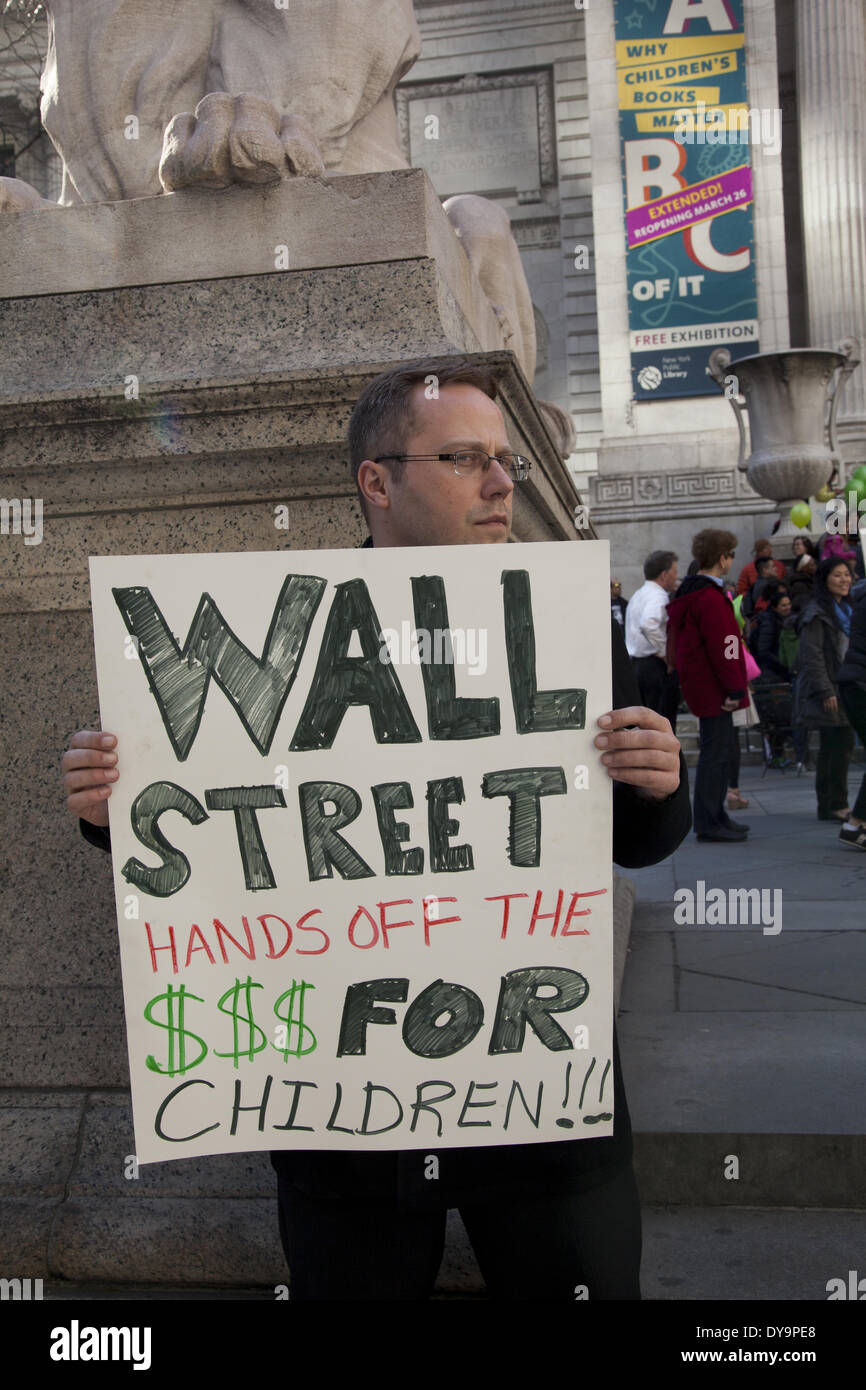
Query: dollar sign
column 175, row 1031
column 253, row 1044
column 297, row 991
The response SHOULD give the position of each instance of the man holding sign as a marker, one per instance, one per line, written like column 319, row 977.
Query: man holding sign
column 547, row 1220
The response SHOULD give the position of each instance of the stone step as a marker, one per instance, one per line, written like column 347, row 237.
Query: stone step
column 774, row 1170
column 742, row 1254
column 690, row 1253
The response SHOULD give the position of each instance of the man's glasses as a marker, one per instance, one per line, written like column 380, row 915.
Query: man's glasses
column 468, row 462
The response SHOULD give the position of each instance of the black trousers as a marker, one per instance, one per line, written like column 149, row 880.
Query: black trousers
column 854, row 704
column 711, row 776
column 652, row 679
column 672, row 698
column 532, row 1246
column 831, row 768
column 734, row 760
column 659, row 688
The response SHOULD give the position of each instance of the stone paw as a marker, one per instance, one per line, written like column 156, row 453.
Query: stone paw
column 236, row 139
column 18, row 196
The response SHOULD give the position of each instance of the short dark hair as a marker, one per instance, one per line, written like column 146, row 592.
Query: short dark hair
column 709, row 546
column 762, row 560
column 775, row 594
column 659, row 561
column 382, row 420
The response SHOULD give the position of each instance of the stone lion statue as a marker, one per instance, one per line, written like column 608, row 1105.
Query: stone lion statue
column 145, row 97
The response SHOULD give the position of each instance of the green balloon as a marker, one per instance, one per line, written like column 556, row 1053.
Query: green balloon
column 859, row 471
column 857, row 484
column 801, row 514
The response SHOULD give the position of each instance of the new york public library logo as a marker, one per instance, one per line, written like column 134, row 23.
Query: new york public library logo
column 738, row 907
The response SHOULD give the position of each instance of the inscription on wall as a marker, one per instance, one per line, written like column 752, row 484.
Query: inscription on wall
column 487, row 135
column 487, row 141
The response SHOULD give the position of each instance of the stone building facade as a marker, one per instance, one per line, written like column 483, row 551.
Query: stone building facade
column 653, row 472
column 517, row 100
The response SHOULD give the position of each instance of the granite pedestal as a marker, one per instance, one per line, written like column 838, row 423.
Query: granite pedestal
column 177, row 376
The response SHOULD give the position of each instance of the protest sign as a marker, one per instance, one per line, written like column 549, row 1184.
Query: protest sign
column 362, row 845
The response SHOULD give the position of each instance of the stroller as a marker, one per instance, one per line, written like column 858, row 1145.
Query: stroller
column 774, row 701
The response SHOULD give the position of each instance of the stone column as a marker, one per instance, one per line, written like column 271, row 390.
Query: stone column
column 831, row 80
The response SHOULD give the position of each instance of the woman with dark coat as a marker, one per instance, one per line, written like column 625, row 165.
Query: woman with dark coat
column 774, row 647
column 802, row 585
column 851, row 680
column 764, row 641
column 824, row 629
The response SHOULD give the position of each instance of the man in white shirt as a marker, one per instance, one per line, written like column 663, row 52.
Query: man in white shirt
column 646, row 630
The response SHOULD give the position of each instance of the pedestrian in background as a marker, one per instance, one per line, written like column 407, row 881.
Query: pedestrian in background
column 851, row 680
column 766, row 636
column 802, row 584
column 646, row 633
column 754, row 600
column 618, row 604
column 710, row 661
column 824, row 628
column 800, row 546
column 749, row 572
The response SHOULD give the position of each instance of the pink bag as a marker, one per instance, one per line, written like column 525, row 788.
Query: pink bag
column 753, row 670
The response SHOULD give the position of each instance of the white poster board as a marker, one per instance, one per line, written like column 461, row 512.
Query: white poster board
column 362, row 869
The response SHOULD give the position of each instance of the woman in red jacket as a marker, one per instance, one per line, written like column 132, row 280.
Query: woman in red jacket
column 710, row 662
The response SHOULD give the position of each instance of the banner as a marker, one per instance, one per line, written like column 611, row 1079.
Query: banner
column 686, row 131
column 362, row 845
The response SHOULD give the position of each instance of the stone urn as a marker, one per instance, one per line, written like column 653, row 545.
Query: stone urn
column 791, row 399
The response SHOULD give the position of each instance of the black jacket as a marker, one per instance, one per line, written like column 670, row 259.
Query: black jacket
column 644, row 833
column 853, row 668
column 764, row 646
column 802, row 590
column 819, row 660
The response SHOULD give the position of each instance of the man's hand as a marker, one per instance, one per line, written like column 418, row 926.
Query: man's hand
column 89, row 767
column 831, row 704
column 729, row 704
column 641, row 749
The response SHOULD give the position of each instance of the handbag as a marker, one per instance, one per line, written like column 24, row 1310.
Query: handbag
column 753, row 670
